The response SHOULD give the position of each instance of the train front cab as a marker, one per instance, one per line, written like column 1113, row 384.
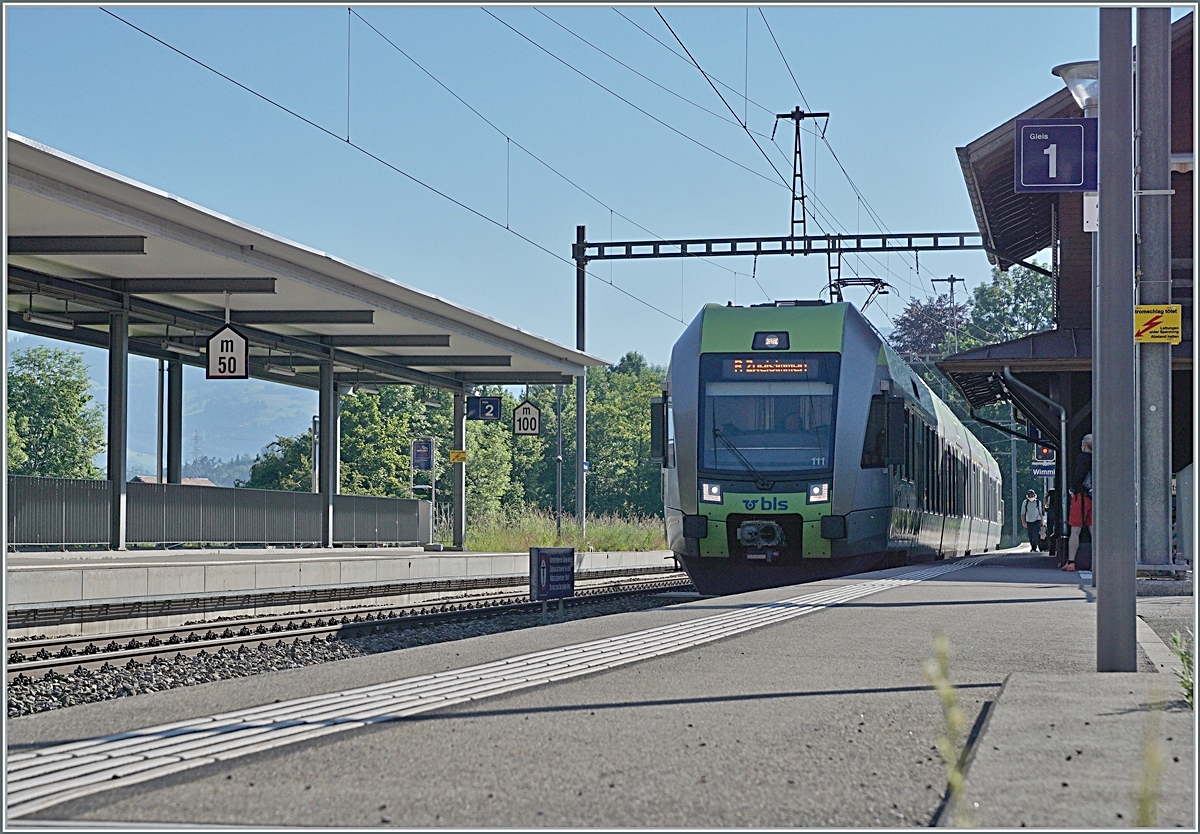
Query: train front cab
column 866, row 477
column 756, row 403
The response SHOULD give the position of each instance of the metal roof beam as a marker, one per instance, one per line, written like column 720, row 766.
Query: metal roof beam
column 515, row 378
column 77, row 245
column 186, row 286
column 414, row 340
column 245, row 254
column 302, row 316
column 165, row 314
column 446, row 361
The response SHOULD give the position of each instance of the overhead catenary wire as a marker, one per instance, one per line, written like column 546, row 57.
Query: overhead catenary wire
column 718, row 92
column 531, row 154
column 858, row 192
column 683, row 58
column 639, row 74
column 693, row 62
column 827, row 213
column 381, row 161
column 871, row 211
column 821, row 134
column 641, row 110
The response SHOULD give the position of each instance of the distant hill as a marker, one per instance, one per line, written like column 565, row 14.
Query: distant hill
column 222, row 419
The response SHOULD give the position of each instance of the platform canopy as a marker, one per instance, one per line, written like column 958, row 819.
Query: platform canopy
column 84, row 242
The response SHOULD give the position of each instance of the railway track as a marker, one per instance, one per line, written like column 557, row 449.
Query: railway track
column 38, row 657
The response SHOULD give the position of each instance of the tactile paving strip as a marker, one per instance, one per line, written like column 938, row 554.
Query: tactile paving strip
column 42, row 778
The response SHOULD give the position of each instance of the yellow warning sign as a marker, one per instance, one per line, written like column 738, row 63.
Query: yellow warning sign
column 458, row 455
column 1158, row 323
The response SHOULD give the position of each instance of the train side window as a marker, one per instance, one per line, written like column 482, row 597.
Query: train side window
column 874, row 455
column 669, row 458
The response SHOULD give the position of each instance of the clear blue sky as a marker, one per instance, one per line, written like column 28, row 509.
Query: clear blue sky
column 905, row 86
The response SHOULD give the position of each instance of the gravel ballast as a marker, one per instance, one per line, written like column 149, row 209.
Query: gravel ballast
column 84, row 686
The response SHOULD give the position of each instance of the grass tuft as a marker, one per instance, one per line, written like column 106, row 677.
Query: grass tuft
column 1185, row 650
column 517, row 530
column 949, row 740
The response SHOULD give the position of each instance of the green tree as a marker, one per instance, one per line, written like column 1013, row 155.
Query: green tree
column 284, row 464
column 503, row 472
column 623, row 479
column 1013, row 304
column 925, row 325
column 59, row 427
column 17, row 459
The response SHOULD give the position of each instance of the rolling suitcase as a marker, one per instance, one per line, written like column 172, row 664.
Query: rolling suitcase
column 1083, row 556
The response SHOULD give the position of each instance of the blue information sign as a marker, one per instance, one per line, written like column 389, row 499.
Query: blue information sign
column 422, row 454
column 1042, row 469
column 551, row 573
column 1056, row 155
column 483, row 408
column 587, row 466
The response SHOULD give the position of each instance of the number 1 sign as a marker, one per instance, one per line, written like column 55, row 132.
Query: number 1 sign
column 1055, row 155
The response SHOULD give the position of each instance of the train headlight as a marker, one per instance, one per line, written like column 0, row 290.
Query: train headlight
column 818, row 493
column 711, row 493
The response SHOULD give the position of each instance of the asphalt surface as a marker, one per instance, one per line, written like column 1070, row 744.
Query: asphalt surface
column 823, row 720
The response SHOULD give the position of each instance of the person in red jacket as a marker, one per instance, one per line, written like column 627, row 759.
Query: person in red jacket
column 1079, row 514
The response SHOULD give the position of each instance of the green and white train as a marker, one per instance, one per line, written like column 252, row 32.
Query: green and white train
column 796, row 445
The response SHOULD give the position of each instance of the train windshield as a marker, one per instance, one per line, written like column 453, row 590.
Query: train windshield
column 767, row 413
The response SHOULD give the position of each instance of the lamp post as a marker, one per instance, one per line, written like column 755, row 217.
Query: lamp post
column 1114, row 392
column 1083, row 80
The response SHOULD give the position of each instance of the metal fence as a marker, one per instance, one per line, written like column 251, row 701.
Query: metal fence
column 63, row 512
column 363, row 519
column 58, row 511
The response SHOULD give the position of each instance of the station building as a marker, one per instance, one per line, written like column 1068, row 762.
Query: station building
column 95, row 258
column 1058, row 362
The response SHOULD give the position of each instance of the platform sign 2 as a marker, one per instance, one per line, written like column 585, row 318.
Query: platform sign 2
column 1056, row 155
column 228, row 355
column 483, row 408
column 527, row 420
column 551, row 573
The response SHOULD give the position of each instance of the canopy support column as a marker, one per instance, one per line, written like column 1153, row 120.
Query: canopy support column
column 174, row 422
column 118, row 422
column 460, row 471
column 327, row 447
column 1114, row 465
column 1154, row 286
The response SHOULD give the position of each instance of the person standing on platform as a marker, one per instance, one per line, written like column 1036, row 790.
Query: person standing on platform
column 1079, row 514
column 1054, row 526
column 1031, row 514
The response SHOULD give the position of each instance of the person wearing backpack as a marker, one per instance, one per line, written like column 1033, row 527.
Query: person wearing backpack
column 1031, row 514
column 1079, row 514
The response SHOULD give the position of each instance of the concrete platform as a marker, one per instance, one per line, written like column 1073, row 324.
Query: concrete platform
column 819, row 720
column 39, row 580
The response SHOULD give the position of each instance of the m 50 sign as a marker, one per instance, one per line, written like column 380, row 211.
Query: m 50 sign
column 228, row 355
column 1056, row 155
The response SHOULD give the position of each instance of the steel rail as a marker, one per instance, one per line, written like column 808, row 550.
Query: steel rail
column 149, row 644
column 209, row 603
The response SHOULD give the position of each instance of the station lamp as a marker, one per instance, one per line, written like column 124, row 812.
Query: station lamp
column 1083, row 80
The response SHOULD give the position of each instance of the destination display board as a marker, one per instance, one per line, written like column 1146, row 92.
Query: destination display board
column 551, row 573
column 774, row 368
